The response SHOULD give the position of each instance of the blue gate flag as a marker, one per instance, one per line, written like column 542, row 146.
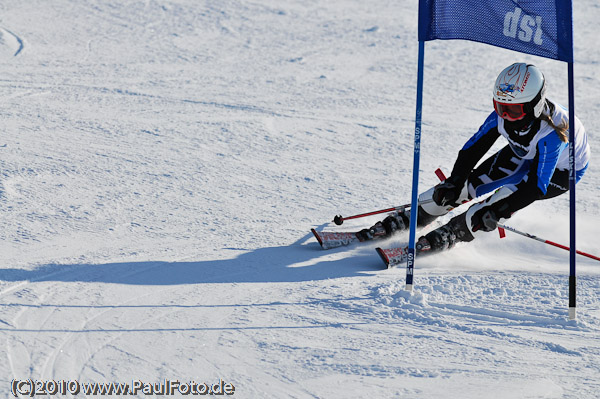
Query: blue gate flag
column 538, row 27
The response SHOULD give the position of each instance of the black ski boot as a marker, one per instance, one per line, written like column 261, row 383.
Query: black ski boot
column 447, row 236
column 385, row 228
column 375, row 231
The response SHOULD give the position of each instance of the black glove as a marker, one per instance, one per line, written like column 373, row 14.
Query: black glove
column 447, row 193
column 484, row 219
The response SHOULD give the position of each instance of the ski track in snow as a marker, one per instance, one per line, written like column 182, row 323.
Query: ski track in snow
column 11, row 45
column 162, row 163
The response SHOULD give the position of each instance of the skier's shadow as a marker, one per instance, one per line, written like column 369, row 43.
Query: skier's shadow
column 304, row 260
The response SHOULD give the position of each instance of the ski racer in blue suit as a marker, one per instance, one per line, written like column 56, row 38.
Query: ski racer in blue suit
column 534, row 165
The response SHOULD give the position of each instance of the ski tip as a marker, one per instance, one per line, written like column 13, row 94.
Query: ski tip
column 392, row 257
column 383, row 256
column 318, row 237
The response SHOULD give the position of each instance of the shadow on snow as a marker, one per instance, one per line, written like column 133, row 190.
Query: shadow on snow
column 293, row 263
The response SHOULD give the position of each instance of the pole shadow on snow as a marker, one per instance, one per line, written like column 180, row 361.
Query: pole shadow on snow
column 293, row 263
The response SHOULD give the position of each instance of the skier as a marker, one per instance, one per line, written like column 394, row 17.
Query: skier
column 533, row 166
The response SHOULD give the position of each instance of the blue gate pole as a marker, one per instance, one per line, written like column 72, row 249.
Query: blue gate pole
column 410, row 263
column 572, row 181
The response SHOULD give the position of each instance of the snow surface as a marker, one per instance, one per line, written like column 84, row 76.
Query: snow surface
column 163, row 161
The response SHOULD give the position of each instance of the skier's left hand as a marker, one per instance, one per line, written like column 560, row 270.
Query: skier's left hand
column 446, row 193
column 484, row 219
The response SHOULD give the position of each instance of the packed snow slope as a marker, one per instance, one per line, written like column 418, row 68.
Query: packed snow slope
column 162, row 163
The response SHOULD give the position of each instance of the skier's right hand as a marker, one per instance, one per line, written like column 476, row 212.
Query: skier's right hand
column 446, row 193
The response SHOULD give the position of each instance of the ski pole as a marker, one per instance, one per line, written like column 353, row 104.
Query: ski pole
column 545, row 241
column 339, row 219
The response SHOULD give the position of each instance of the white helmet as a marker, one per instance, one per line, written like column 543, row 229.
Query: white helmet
column 522, row 84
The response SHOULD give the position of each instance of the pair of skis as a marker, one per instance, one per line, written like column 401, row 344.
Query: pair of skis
column 392, row 257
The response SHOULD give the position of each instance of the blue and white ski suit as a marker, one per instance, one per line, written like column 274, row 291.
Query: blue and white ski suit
column 533, row 166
